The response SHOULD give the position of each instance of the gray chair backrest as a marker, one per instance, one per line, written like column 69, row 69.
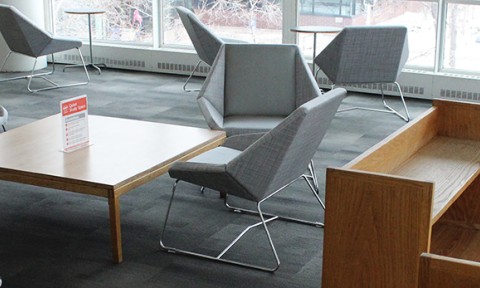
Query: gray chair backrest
column 365, row 54
column 21, row 35
column 283, row 154
column 256, row 80
column 205, row 42
column 260, row 79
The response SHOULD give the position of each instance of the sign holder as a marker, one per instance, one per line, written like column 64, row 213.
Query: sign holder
column 75, row 133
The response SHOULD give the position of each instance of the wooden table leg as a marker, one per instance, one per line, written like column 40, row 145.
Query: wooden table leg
column 116, row 232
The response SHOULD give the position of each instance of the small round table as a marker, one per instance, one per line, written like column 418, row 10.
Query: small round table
column 315, row 30
column 89, row 12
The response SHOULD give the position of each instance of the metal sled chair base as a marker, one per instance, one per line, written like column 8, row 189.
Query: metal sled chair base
column 388, row 109
column 286, row 218
column 262, row 222
column 43, row 74
column 233, row 262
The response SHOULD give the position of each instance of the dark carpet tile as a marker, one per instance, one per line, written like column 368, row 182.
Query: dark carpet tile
column 49, row 238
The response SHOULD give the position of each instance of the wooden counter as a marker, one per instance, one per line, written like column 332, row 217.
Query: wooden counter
column 414, row 192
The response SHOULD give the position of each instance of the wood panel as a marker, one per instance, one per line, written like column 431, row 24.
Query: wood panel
column 458, row 119
column 398, row 147
column 375, row 228
column 466, row 210
column 445, row 272
column 450, row 239
column 451, row 163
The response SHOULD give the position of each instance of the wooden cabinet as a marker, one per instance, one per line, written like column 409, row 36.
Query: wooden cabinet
column 415, row 192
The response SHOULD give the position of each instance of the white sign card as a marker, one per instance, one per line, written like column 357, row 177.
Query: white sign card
column 75, row 123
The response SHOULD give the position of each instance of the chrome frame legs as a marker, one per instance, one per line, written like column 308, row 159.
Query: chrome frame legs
column 219, row 258
column 388, row 109
column 190, row 77
column 311, row 181
column 43, row 74
column 313, row 187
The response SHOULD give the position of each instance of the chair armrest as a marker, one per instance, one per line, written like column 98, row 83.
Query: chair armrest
column 307, row 87
column 242, row 141
column 212, row 116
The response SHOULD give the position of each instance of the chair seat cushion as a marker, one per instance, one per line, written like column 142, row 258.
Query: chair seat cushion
column 209, row 170
column 250, row 124
column 212, row 161
column 59, row 44
column 217, row 156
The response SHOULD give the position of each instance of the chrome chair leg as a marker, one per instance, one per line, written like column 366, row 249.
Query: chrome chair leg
column 388, row 109
column 313, row 176
column 315, row 193
column 42, row 75
column 190, row 77
column 56, row 85
column 406, row 118
column 21, row 76
column 219, row 258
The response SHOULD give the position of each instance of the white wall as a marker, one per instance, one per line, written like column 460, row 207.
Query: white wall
column 34, row 10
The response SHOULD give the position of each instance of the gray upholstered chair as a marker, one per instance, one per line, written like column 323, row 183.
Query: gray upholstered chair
column 367, row 54
column 24, row 37
column 205, row 42
column 253, row 87
column 257, row 171
column 3, row 118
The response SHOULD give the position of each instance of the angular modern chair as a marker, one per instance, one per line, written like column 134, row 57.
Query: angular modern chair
column 259, row 170
column 24, row 37
column 205, row 42
column 367, row 54
column 253, row 87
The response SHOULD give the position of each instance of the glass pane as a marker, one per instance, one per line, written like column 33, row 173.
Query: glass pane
column 254, row 21
column 462, row 37
column 419, row 16
column 123, row 21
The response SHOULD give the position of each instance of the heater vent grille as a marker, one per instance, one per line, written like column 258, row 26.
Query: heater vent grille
column 105, row 60
column 375, row 88
column 458, row 94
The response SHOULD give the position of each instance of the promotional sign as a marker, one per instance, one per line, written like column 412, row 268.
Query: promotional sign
column 75, row 123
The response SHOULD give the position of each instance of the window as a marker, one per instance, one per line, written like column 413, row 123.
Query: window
column 254, row 21
column 462, row 37
column 138, row 22
column 418, row 16
column 123, row 21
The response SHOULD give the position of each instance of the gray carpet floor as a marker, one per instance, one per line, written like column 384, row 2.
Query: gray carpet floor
column 50, row 238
